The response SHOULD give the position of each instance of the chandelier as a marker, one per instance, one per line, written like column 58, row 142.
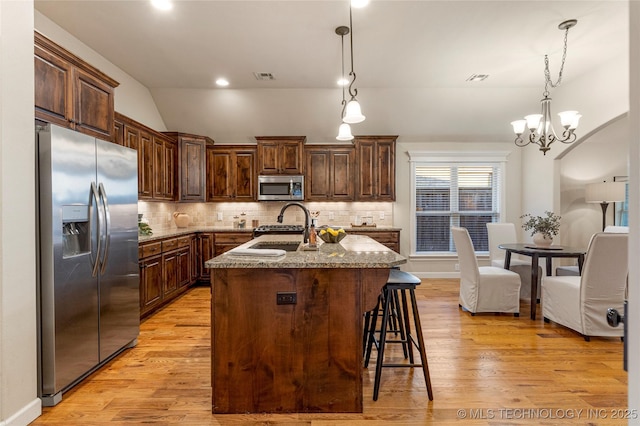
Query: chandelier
column 539, row 126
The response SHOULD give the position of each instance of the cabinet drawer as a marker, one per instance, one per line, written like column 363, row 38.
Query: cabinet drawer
column 184, row 241
column 232, row 237
column 150, row 249
column 169, row 244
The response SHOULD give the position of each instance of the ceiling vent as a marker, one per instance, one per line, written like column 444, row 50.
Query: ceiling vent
column 264, row 76
column 477, row 77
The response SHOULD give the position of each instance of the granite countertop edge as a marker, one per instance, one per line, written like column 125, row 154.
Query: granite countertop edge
column 355, row 251
column 177, row 232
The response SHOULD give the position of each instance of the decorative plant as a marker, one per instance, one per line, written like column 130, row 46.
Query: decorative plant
column 548, row 225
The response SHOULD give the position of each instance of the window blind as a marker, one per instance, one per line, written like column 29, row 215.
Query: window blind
column 455, row 195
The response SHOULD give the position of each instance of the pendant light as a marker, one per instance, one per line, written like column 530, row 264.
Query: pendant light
column 353, row 113
column 344, row 131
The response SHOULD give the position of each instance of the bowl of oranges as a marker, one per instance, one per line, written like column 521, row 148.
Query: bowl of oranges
column 331, row 234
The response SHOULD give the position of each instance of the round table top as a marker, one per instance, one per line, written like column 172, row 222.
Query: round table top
column 553, row 250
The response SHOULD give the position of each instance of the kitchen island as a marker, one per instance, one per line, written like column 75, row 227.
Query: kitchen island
column 287, row 331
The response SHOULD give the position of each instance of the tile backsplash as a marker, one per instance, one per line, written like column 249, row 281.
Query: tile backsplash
column 160, row 214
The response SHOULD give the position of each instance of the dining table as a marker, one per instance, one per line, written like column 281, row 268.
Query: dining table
column 536, row 252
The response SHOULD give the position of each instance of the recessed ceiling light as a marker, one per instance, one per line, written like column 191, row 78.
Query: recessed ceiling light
column 478, row 77
column 359, row 3
column 162, row 4
column 223, row 82
column 343, row 82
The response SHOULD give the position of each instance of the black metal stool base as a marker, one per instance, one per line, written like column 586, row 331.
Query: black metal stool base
column 394, row 299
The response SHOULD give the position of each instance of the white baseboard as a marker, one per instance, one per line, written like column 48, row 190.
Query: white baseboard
column 26, row 415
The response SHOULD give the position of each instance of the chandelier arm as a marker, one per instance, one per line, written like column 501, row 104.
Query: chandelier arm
column 521, row 142
column 344, row 102
column 568, row 136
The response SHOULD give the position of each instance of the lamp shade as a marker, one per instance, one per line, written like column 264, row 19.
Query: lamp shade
column 604, row 192
column 344, row 132
column 353, row 114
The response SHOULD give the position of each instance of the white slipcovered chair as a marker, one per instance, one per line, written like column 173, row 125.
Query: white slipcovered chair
column 484, row 288
column 581, row 302
column 573, row 270
column 505, row 233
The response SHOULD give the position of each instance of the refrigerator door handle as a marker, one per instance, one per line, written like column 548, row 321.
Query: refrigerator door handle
column 107, row 228
column 92, row 226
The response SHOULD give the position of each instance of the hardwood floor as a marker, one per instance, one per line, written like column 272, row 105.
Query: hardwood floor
column 485, row 370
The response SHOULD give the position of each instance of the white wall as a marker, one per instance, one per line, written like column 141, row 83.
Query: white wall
column 600, row 157
column 18, row 363
column 131, row 98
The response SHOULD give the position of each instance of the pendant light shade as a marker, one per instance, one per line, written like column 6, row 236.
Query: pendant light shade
column 353, row 114
column 344, row 132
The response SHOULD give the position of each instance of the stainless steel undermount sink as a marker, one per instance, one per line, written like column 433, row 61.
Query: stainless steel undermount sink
column 278, row 245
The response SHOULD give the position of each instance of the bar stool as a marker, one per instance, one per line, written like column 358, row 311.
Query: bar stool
column 394, row 292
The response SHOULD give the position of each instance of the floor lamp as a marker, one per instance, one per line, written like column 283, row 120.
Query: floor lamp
column 604, row 193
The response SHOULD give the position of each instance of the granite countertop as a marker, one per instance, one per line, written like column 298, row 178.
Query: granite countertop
column 354, row 251
column 176, row 232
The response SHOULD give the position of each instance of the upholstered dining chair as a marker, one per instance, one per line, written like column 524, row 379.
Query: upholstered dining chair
column 484, row 288
column 581, row 302
column 573, row 270
column 505, row 233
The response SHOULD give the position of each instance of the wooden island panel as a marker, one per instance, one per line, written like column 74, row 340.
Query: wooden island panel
column 302, row 357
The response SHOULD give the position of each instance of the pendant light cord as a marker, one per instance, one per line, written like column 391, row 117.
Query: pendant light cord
column 352, row 92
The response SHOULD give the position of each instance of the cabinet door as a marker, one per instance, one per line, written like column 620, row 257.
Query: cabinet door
column 244, row 175
column 131, row 138
column 317, row 178
column 145, row 166
column 207, row 242
column 158, row 168
column 170, row 271
column 151, row 283
column 184, row 267
column 192, row 169
column 376, row 168
column 94, row 104
column 342, row 174
column 386, row 171
column 195, row 258
column 170, row 156
column 118, row 132
column 329, row 174
column 290, row 158
column 53, row 83
column 280, row 155
column 219, row 174
column 268, row 158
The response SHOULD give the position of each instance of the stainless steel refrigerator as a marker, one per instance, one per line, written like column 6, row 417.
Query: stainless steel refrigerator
column 88, row 288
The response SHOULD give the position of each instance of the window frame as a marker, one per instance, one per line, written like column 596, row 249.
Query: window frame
column 448, row 158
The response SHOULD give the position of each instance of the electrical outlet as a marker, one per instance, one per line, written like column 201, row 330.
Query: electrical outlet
column 381, row 215
column 456, row 267
column 219, row 215
column 331, row 216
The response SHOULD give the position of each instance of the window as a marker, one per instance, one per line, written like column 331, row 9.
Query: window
column 454, row 193
column 621, row 215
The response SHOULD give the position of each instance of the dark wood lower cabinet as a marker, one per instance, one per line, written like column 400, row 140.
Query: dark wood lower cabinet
column 165, row 271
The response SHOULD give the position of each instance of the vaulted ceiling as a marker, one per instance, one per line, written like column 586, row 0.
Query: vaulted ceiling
column 412, row 60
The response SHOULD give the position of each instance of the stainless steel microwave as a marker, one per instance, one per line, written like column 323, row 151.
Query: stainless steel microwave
column 280, row 188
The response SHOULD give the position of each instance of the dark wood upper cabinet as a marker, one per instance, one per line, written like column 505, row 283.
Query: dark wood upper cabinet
column 280, row 155
column 376, row 171
column 164, row 166
column 71, row 93
column 330, row 173
column 191, row 165
column 231, row 173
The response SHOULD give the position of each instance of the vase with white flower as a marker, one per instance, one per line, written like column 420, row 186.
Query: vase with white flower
column 543, row 228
